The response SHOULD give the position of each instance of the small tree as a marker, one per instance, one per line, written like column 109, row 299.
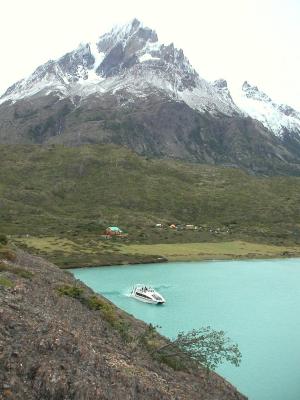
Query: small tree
column 205, row 346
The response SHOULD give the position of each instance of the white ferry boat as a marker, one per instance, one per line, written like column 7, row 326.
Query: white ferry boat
column 146, row 294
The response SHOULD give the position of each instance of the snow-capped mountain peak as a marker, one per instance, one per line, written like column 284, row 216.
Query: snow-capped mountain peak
column 128, row 88
column 252, row 92
column 278, row 118
column 131, row 59
column 221, row 86
column 128, row 58
column 123, row 34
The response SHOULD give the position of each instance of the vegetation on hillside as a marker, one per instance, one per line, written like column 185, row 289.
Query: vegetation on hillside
column 70, row 195
column 205, row 346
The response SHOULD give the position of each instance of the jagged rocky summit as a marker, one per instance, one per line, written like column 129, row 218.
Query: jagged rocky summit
column 128, row 88
column 128, row 58
column 278, row 118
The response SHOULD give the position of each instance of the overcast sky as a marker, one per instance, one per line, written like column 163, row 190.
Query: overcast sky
column 253, row 40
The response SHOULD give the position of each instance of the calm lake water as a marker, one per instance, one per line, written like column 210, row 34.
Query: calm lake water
column 256, row 302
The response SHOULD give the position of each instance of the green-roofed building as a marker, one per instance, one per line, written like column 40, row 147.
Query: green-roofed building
column 113, row 230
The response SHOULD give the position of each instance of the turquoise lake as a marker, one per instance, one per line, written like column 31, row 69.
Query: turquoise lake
column 257, row 304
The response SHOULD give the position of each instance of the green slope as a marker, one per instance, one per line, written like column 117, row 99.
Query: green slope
column 76, row 192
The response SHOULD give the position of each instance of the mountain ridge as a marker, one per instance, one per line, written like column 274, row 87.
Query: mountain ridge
column 129, row 89
column 101, row 67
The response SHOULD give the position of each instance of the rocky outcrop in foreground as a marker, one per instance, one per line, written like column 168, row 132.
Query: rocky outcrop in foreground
column 58, row 340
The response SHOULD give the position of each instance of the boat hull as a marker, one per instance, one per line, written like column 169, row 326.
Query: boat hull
column 149, row 301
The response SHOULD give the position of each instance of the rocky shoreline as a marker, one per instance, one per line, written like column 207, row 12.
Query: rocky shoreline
column 146, row 260
column 158, row 260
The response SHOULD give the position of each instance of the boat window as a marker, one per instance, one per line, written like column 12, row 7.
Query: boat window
column 142, row 295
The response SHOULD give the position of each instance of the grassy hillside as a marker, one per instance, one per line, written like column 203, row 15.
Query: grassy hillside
column 74, row 193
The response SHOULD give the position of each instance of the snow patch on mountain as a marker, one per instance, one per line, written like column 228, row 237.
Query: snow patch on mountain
column 122, row 34
column 147, row 57
column 207, row 97
column 98, row 57
column 278, row 118
column 32, row 85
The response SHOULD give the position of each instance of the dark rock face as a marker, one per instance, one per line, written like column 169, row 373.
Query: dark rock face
column 154, row 126
column 121, row 51
column 137, row 34
column 34, row 121
column 289, row 111
column 112, row 63
column 70, row 63
column 221, row 84
column 54, row 347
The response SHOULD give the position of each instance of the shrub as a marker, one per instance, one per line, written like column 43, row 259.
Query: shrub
column 96, row 303
column 109, row 314
column 22, row 273
column 148, row 335
column 6, row 282
column 16, row 271
column 175, row 363
column 124, row 329
column 71, row 291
